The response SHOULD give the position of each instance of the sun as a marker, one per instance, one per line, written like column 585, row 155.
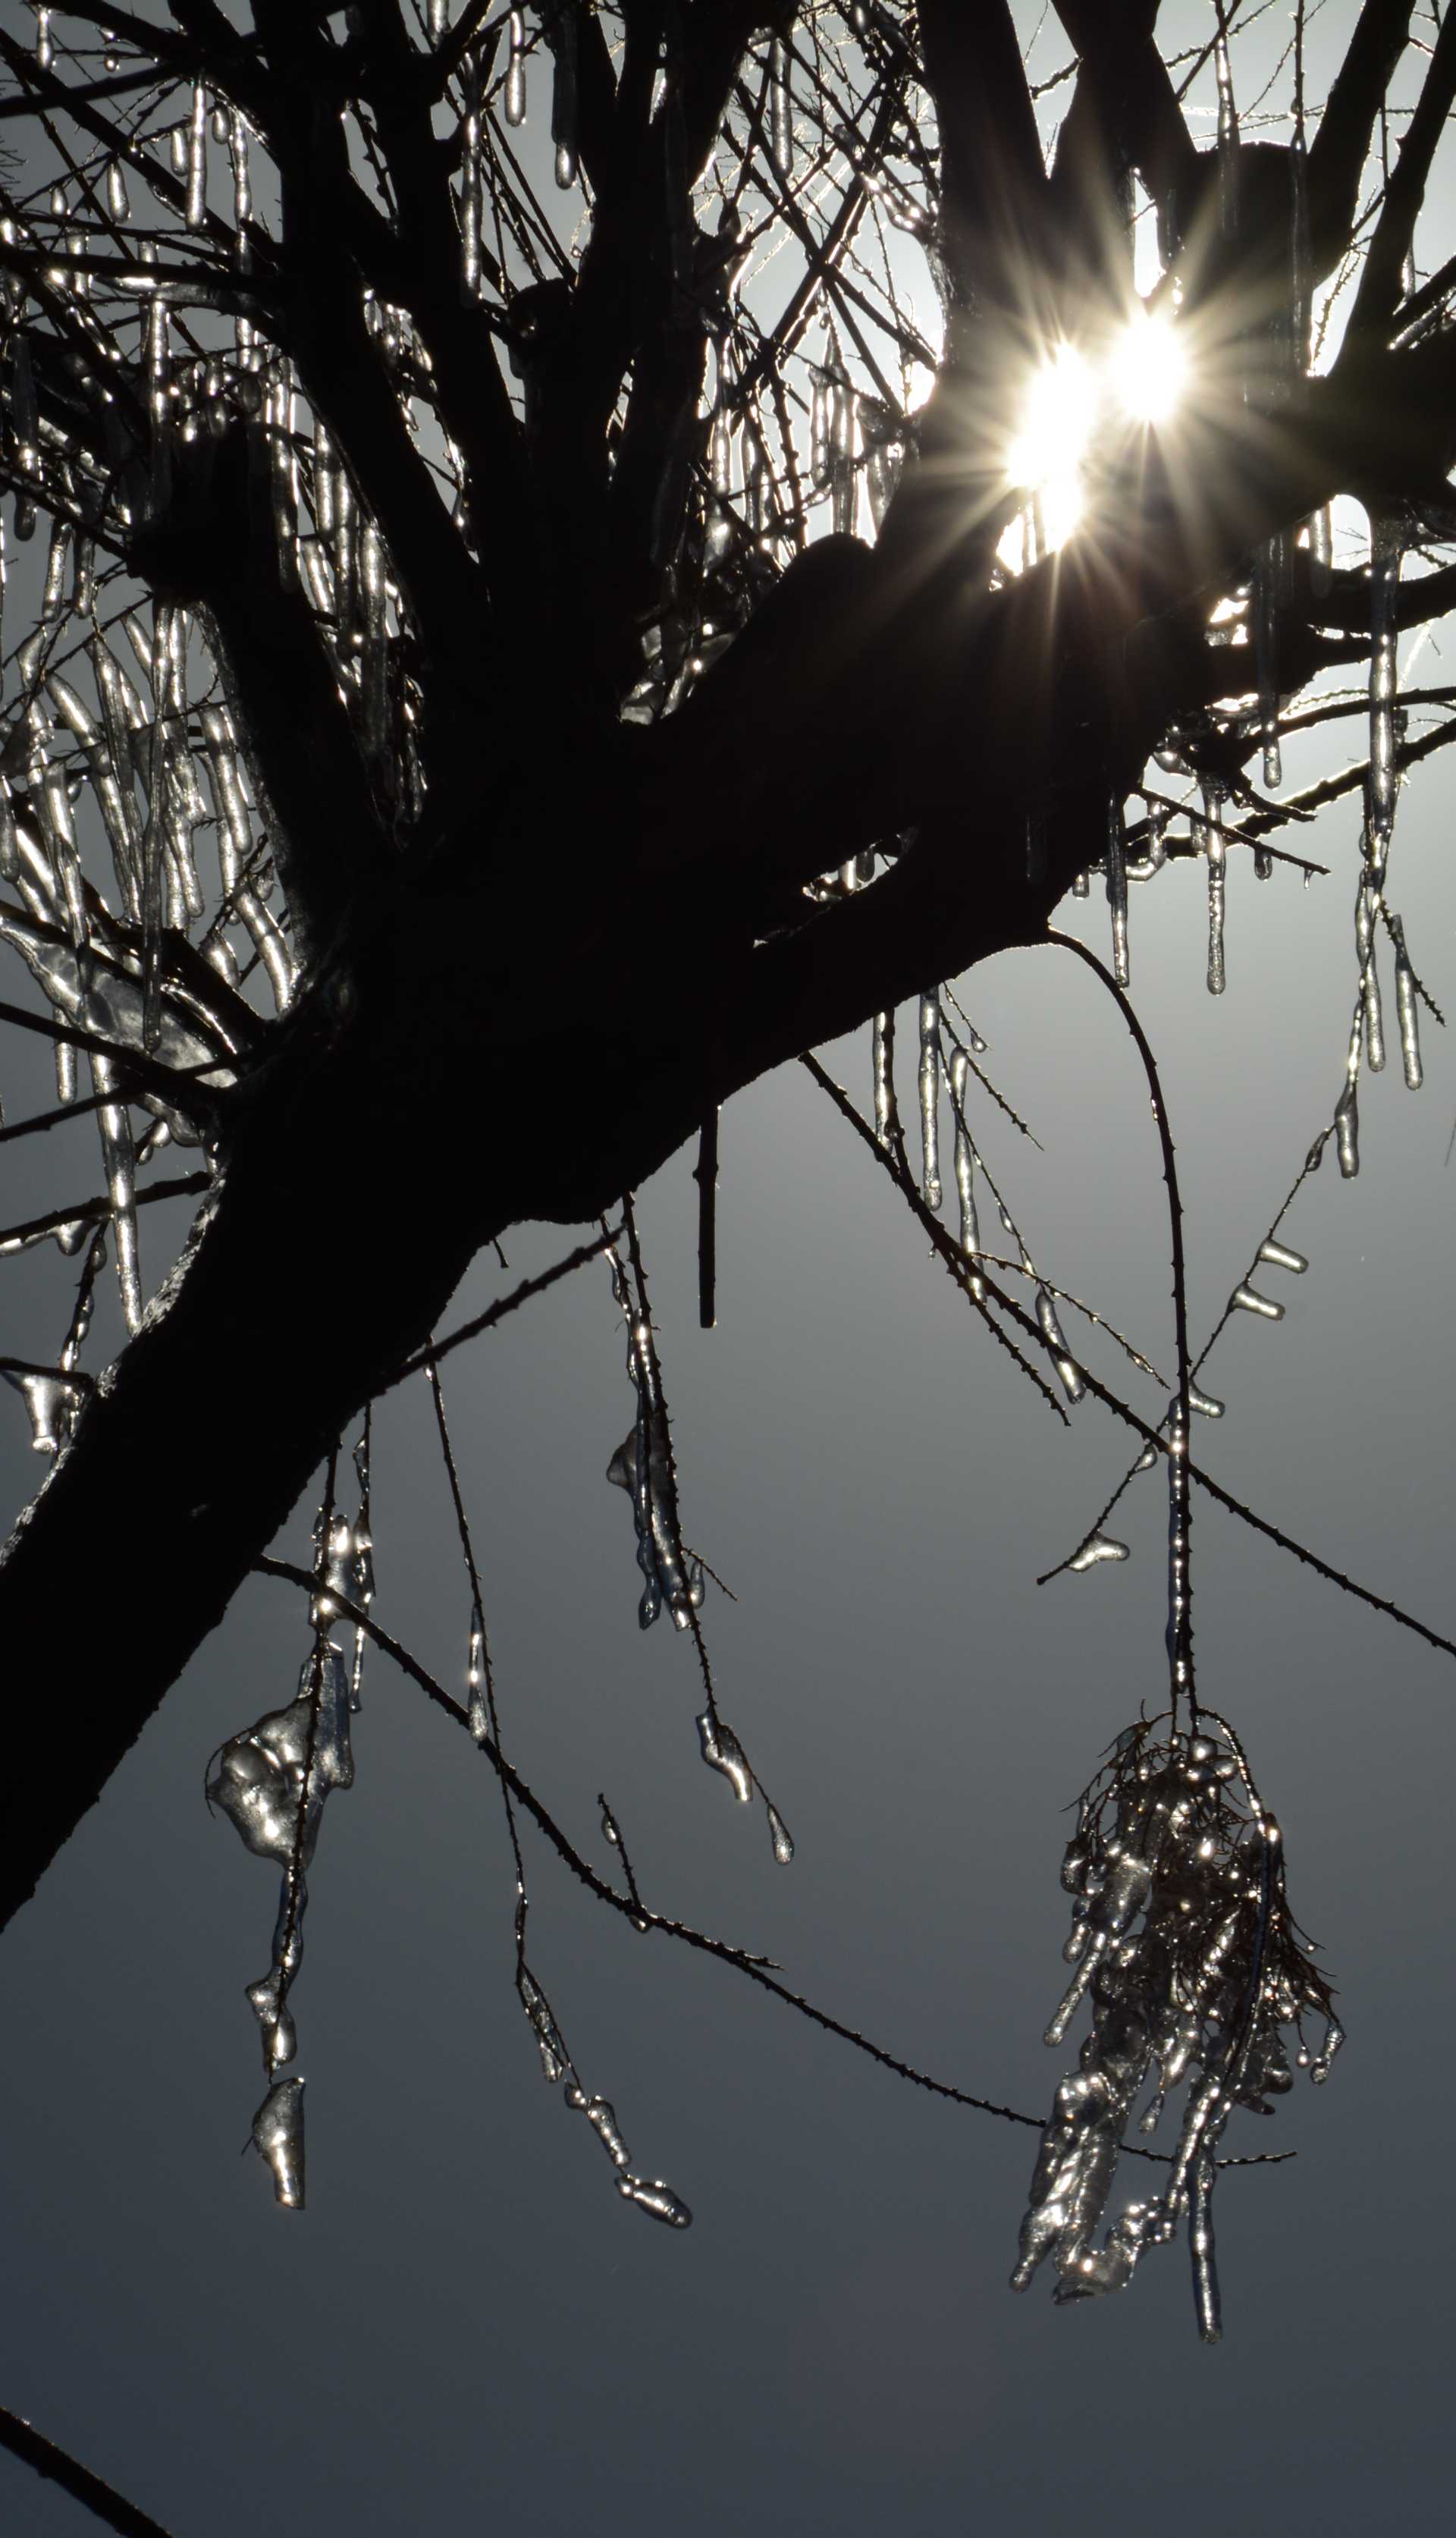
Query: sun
column 1139, row 378
column 1146, row 369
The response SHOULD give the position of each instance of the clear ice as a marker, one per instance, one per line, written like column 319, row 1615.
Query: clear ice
column 1183, row 1944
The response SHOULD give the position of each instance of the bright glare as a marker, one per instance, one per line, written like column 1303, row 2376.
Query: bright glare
column 1058, row 420
column 1146, row 369
column 1141, row 378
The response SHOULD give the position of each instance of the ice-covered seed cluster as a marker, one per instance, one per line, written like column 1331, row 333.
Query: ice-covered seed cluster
column 1184, row 1943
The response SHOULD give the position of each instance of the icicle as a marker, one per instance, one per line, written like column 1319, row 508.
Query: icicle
column 1280, row 1257
column 470, row 180
column 562, row 36
column 1406, row 1005
column 373, row 665
column 930, row 1096
column 1182, row 1938
column 601, row 2114
column 1365, row 900
column 1347, row 1130
column 257, row 1778
column 196, row 196
column 1268, row 575
column 650, row 2194
column 781, row 108
column 10, row 854
column 971, row 1232
column 1117, row 892
column 53, row 1404
column 884, row 1084
column 1247, row 1299
column 277, row 2133
column 1097, row 1549
column 1203, row 1404
column 480, row 1715
column 1068, row 1371
column 1302, row 293
column 720, row 447
column 781, row 1835
column 364, row 1562
column 1228, row 139
column 722, row 1752
column 1213, row 806
column 642, row 1465
column 1386, row 574
column 1321, row 551
column 515, row 76
column 819, row 430
column 243, row 184
column 841, row 423
column 119, row 1157
column 554, row 2060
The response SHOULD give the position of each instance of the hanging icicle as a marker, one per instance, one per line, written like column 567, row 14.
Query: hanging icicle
column 1385, row 574
column 780, row 110
column 515, row 74
column 1183, row 1941
column 1069, row 1372
column 1406, row 1006
column 1117, row 892
column 642, row 1465
column 561, row 35
column 1214, row 848
column 929, row 1081
column 971, row 1232
column 272, row 1782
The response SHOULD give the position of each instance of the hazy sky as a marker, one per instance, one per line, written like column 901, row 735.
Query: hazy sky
column 467, row 2330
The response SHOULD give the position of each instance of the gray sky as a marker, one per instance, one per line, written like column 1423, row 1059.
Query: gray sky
column 467, row 2326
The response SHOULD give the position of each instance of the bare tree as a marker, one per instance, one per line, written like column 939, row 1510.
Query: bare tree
column 483, row 592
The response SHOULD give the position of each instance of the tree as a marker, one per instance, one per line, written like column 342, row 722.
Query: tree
column 429, row 492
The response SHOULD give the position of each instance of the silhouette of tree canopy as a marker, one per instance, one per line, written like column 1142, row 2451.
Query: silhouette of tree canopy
column 529, row 636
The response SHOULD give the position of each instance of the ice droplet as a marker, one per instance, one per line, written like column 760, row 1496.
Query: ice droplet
column 1280, row 1257
column 1346, row 1131
column 1247, row 1299
column 1068, row 1371
column 1203, row 1403
column 601, row 2117
column 650, row 2194
column 1096, row 1551
column 781, row 1835
column 722, row 1751
column 1406, row 1005
column 278, row 2134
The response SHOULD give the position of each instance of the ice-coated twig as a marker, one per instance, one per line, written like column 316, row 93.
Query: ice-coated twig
column 644, row 1464
column 58, row 2467
column 1385, row 574
column 1183, row 1944
column 602, row 1242
column 757, row 1968
column 929, row 1085
column 272, row 1782
column 1153, row 1441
